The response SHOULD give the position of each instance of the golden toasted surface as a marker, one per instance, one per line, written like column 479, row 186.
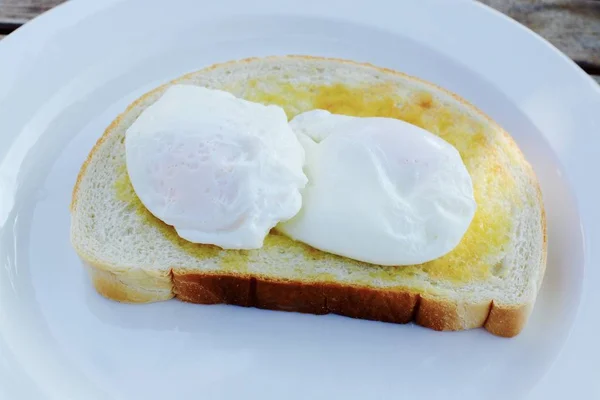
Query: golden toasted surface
column 492, row 180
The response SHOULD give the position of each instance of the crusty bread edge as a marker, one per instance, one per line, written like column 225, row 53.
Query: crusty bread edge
column 399, row 306
column 118, row 287
column 395, row 306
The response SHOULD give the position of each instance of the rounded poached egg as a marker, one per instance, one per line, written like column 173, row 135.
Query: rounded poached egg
column 219, row 169
column 380, row 190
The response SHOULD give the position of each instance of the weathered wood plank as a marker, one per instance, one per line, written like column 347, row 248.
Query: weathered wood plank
column 21, row 11
column 571, row 25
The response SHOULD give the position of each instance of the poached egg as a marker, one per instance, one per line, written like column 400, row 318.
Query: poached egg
column 380, row 190
column 219, row 169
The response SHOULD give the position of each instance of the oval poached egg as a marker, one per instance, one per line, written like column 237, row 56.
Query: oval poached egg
column 380, row 190
column 219, row 169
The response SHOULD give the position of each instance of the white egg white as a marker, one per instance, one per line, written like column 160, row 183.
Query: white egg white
column 380, row 190
column 221, row 170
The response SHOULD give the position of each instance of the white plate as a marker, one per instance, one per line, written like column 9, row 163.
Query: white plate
column 67, row 74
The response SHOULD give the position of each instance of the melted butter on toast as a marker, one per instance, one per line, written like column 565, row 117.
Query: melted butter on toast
column 473, row 259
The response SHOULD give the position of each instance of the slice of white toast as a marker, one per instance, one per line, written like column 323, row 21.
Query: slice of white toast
column 490, row 279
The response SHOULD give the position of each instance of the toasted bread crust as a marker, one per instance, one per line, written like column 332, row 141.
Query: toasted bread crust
column 394, row 306
column 387, row 305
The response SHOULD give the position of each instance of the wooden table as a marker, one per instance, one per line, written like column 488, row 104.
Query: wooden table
column 571, row 25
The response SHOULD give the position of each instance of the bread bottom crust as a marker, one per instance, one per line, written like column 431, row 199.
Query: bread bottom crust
column 398, row 306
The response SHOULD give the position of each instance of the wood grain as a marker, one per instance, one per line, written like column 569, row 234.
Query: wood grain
column 18, row 12
column 573, row 26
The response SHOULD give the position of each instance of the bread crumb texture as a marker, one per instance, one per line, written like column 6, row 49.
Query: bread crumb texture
column 480, row 253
